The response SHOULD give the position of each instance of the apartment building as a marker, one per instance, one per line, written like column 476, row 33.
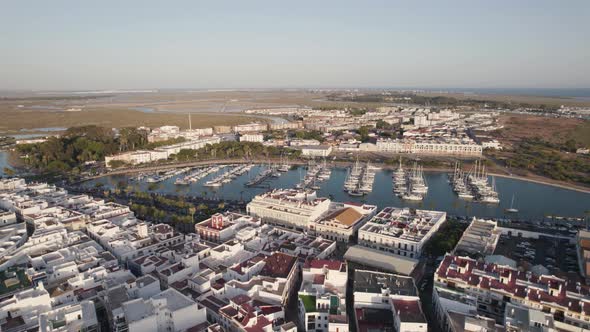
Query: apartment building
column 245, row 314
column 73, row 317
column 224, row 226
column 250, row 127
column 401, row 231
column 168, row 311
column 343, row 221
column 464, row 285
column 321, row 151
column 161, row 153
column 384, row 301
column 322, row 296
column 288, row 207
column 431, row 147
column 257, row 138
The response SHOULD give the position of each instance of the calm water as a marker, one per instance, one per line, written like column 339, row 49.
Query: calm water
column 533, row 200
column 45, row 129
column 3, row 161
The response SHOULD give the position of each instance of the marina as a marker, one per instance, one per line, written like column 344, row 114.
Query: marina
column 228, row 176
column 161, row 176
column 534, row 200
column 474, row 185
column 359, row 180
column 410, row 185
column 266, row 174
column 316, row 173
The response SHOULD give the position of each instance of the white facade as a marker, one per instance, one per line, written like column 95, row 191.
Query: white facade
column 429, row 147
column 401, row 232
column 252, row 138
column 161, row 153
column 27, row 304
column 343, row 221
column 165, row 312
column 290, row 208
column 7, row 218
column 73, row 317
column 324, row 284
column 316, row 151
column 250, row 127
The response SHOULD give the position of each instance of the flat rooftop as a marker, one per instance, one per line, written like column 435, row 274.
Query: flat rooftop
column 480, row 237
column 404, row 223
column 345, row 216
column 379, row 259
column 375, row 282
column 409, row 311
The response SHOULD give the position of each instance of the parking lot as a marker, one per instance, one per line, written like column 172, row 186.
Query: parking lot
column 552, row 253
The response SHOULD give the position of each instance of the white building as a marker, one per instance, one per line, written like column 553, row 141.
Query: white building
column 72, row 317
column 188, row 145
column 250, row 127
column 252, row 138
column 289, row 207
column 322, row 296
column 163, row 133
column 395, row 296
column 304, row 142
column 136, row 157
column 491, row 144
column 168, row 311
column 467, row 286
column 223, row 226
column 401, row 231
column 430, row 147
column 342, row 223
column 316, row 151
column 27, row 306
column 7, row 218
column 12, row 183
column 161, row 153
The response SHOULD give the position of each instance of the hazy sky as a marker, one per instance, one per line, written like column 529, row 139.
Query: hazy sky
column 226, row 44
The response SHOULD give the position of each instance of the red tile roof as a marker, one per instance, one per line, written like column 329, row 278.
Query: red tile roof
column 278, row 265
column 515, row 283
column 321, row 263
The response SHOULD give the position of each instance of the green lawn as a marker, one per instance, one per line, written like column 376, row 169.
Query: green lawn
column 20, row 273
column 308, row 303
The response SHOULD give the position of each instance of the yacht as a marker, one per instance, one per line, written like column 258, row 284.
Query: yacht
column 512, row 209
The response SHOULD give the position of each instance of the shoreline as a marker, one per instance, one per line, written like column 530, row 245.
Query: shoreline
column 542, row 180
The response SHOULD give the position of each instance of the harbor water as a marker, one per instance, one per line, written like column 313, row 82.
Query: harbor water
column 533, row 200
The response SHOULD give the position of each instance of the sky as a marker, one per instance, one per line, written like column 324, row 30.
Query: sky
column 81, row 45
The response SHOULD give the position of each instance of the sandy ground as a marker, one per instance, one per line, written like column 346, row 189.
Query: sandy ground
column 121, row 109
column 519, row 126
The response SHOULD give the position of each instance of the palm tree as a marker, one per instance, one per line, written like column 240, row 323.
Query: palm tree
column 192, row 211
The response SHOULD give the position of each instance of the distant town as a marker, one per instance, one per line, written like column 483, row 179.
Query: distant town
column 323, row 219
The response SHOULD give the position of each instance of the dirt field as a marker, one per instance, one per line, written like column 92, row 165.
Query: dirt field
column 13, row 121
column 518, row 127
column 216, row 107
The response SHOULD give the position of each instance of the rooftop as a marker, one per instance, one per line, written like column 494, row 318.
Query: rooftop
column 376, row 282
column 278, row 265
column 345, row 216
column 404, row 223
column 409, row 311
column 480, row 237
column 548, row 290
column 376, row 258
